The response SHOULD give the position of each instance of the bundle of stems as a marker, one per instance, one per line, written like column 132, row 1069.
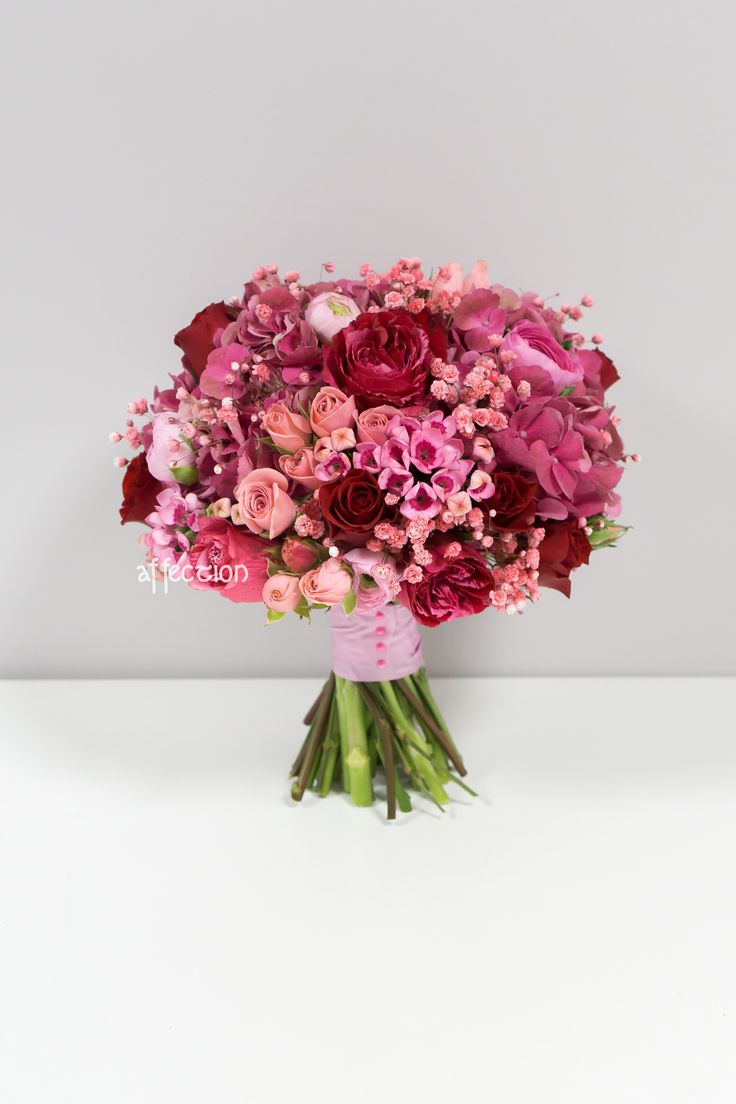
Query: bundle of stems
column 357, row 728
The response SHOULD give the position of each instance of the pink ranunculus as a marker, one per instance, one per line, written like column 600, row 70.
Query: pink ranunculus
column 167, row 450
column 372, row 424
column 281, row 593
column 263, row 504
column 286, row 429
column 328, row 584
column 300, row 467
column 224, row 558
column 329, row 312
column 298, row 555
column 331, row 409
column 535, row 346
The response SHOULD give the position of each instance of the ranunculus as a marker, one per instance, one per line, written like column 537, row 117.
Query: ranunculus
column 286, row 429
column 298, row 555
column 385, row 357
column 449, row 588
column 170, row 459
column 372, row 423
column 140, row 490
column 564, row 548
column 355, row 503
column 329, row 312
column 300, row 467
column 331, row 409
column 226, row 559
column 263, row 504
column 197, row 340
column 329, row 583
column 513, row 500
column 535, row 346
column 281, row 593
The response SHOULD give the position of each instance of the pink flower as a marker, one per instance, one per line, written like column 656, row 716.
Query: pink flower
column 298, row 555
column 287, row 430
column 536, row 347
column 222, row 377
column 453, row 282
column 225, row 559
column 372, row 423
column 331, row 409
column 263, row 504
column 375, row 578
column 481, row 485
column 478, row 318
column 327, row 584
column 168, row 451
column 329, row 312
column 300, row 467
column 281, row 593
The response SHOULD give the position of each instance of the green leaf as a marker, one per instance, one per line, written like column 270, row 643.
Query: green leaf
column 274, row 615
column 567, row 391
column 349, row 602
column 567, row 344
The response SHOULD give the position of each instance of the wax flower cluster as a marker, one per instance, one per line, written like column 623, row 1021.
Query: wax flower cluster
column 440, row 441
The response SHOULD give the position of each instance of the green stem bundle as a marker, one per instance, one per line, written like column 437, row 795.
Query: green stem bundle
column 355, row 728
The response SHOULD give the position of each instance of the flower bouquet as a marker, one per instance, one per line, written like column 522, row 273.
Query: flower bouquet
column 396, row 449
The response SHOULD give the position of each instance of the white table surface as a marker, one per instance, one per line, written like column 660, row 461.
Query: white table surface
column 173, row 930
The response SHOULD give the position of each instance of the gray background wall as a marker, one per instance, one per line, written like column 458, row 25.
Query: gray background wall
column 155, row 153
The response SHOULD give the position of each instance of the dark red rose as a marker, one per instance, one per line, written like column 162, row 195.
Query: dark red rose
column 139, row 491
column 564, row 548
column 196, row 340
column 354, row 503
column 449, row 588
column 513, row 500
column 385, row 357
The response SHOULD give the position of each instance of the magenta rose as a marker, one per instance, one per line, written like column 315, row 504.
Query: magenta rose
column 449, row 588
column 226, row 559
column 385, row 357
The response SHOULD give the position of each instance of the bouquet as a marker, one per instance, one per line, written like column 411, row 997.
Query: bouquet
column 397, row 449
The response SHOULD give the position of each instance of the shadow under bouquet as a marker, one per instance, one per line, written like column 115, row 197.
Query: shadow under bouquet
column 395, row 449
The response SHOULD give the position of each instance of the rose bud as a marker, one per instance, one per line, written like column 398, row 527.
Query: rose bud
column 298, row 555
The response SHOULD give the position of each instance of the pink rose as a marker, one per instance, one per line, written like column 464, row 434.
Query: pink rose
column 226, row 559
column 300, row 467
column 327, row 584
column 287, row 430
column 330, row 312
column 298, row 555
column 281, row 593
column 331, row 409
column 372, row 424
column 263, row 504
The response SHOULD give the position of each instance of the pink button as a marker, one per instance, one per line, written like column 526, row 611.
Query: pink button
column 380, row 647
column 381, row 663
column 381, row 630
column 380, row 614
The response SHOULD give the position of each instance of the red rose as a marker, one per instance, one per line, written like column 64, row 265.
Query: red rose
column 385, row 357
column 197, row 339
column 449, row 588
column 355, row 503
column 564, row 548
column 139, row 491
column 513, row 500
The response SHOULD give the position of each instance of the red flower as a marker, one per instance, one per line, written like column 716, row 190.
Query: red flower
column 385, row 357
column 226, row 559
column 139, row 491
column 513, row 500
column 449, row 588
column 197, row 340
column 355, row 503
column 564, row 548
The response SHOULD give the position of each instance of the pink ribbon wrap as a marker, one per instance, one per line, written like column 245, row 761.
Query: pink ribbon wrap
column 375, row 645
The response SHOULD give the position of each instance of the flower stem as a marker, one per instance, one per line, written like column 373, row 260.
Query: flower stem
column 354, row 742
